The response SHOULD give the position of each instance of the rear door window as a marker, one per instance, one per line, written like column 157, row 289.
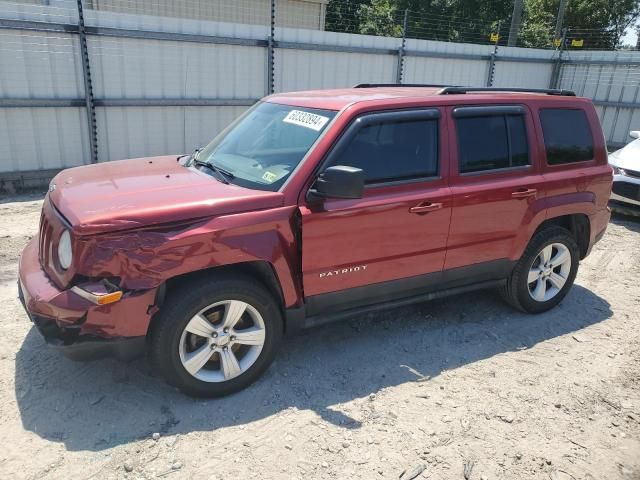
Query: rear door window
column 491, row 141
column 567, row 135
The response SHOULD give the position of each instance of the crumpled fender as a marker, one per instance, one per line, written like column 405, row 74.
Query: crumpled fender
column 145, row 258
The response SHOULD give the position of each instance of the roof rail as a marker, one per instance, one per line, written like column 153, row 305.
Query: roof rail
column 455, row 90
column 380, row 85
column 548, row 91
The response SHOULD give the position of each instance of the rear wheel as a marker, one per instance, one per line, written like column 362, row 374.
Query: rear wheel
column 217, row 336
column 545, row 272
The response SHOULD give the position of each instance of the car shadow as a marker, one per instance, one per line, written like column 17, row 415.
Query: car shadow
column 97, row 405
column 31, row 195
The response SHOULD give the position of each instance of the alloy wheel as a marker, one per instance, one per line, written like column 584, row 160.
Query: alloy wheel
column 549, row 272
column 222, row 341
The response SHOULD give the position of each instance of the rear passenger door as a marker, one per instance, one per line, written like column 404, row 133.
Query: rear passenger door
column 494, row 184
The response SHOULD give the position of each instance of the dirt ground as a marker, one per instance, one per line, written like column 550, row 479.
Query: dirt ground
column 452, row 389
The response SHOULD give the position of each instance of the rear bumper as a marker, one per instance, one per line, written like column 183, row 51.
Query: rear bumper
column 76, row 326
column 598, row 223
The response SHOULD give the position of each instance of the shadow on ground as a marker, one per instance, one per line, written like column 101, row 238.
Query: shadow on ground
column 94, row 406
column 29, row 195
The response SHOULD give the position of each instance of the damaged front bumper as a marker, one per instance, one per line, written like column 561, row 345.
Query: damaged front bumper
column 625, row 195
column 77, row 326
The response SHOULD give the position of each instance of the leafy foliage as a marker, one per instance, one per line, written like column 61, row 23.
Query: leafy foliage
column 379, row 18
column 600, row 23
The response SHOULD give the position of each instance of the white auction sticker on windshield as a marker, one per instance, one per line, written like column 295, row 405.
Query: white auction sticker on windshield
column 306, row 119
column 269, row 177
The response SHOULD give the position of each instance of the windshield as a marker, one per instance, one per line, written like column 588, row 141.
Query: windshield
column 264, row 146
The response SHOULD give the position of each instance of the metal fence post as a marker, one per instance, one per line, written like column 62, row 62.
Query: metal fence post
column 88, row 88
column 555, row 71
column 400, row 67
column 271, row 74
column 492, row 60
column 516, row 23
column 560, row 18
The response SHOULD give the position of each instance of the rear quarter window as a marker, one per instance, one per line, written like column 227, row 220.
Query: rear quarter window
column 567, row 135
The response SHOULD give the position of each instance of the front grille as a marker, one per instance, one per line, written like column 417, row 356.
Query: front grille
column 51, row 227
column 44, row 248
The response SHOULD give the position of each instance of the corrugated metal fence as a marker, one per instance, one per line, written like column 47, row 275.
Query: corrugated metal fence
column 612, row 80
column 161, row 85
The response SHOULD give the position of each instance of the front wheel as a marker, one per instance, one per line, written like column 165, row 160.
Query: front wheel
column 216, row 336
column 545, row 272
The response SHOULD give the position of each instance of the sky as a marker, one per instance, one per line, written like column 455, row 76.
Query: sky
column 631, row 36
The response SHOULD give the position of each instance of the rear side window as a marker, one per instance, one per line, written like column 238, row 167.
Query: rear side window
column 567, row 135
column 393, row 150
column 490, row 142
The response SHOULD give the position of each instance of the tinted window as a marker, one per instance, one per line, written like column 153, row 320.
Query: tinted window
column 519, row 145
column 567, row 136
column 390, row 151
column 491, row 142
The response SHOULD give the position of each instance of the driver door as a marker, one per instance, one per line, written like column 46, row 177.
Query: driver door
column 390, row 243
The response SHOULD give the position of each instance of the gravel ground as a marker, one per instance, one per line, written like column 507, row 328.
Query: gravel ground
column 461, row 388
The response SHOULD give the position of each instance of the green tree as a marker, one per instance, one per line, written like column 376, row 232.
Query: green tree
column 609, row 18
column 380, row 18
column 538, row 24
column 457, row 20
column 600, row 23
column 343, row 16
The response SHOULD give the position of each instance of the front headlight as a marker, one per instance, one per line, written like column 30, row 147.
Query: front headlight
column 65, row 255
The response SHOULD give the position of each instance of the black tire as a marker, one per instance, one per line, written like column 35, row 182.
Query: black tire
column 516, row 290
column 183, row 303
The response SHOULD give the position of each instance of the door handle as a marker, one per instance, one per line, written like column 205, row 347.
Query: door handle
column 527, row 192
column 425, row 207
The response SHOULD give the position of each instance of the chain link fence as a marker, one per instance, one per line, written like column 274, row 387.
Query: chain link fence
column 96, row 80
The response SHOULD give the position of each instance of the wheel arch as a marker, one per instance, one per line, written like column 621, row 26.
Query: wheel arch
column 261, row 270
column 576, row 223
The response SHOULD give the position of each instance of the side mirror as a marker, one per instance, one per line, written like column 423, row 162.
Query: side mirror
column 634, row 133
column 339, row 182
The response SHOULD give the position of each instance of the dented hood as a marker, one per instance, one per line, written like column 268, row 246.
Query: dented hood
column 147, row 191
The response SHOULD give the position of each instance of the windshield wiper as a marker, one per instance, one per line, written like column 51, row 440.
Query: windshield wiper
column 191, row 155
column 223, row 175
column 226, row 173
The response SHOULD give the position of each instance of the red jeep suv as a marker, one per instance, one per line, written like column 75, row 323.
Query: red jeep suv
column 311, row 207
